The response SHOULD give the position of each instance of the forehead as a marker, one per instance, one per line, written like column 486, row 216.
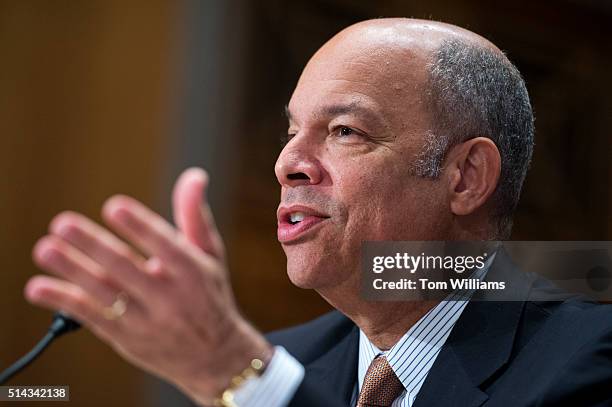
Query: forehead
column 383, row 78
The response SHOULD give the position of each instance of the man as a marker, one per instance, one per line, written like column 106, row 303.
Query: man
column 398, row 130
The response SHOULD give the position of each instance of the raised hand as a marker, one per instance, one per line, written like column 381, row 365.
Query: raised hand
column 164, row 301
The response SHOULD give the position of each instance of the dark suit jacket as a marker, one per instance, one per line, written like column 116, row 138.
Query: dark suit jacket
column 500, row 353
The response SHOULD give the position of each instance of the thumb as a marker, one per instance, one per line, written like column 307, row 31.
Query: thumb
column 192, row 214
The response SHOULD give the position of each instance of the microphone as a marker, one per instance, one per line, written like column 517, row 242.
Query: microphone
column 60, row 325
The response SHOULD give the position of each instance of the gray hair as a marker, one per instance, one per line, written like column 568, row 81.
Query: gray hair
column 476, row 91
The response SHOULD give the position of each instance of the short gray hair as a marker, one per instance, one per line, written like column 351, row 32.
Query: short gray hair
column 476, row 91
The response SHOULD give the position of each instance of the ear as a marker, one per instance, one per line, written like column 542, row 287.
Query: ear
column 473, row 167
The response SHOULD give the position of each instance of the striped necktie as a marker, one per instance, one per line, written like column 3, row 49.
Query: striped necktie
column 380, row 386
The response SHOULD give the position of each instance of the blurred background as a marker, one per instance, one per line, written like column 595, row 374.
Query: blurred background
column 101, row 97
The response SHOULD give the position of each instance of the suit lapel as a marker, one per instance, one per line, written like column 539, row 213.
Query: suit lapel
column 480, row 343
column 449, row 385
column 337, row 368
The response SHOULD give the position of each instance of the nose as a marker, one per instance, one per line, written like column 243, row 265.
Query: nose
column 297, row 164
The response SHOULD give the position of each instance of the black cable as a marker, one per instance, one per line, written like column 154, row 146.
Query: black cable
column 61, row 324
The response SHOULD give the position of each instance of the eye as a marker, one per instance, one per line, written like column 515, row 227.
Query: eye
column 346, row 131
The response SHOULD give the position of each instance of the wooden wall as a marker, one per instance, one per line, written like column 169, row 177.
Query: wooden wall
column 86, row 103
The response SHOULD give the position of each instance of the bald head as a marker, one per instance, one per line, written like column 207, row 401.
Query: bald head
column 391, row 43
column 415, row 34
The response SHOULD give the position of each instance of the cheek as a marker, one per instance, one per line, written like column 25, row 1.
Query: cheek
column 389, row 206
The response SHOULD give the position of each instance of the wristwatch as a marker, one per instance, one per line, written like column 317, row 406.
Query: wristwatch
column 255, row 369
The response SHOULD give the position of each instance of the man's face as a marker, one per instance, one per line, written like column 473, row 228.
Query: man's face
column 356, row 123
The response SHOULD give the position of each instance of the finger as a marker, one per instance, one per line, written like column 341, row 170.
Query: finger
column 56, row 294
column 192, row 214
column 54, row 255
column 119, row 262
column 153, row 234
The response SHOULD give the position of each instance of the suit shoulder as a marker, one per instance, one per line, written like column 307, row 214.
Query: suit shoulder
column 311, row 339
column 561, row 356
column 577, row 311
column 574, row 322
column 581, row 371
column 564, row 313
column 591, row 317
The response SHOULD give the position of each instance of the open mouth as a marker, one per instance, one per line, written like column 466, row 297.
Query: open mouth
column 296, row 217
column 294, row 223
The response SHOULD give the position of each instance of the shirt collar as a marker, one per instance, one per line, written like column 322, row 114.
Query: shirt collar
column 413, row 355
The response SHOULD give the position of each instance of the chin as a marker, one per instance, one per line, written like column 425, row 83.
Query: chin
column 313, row 270
column 304, row 275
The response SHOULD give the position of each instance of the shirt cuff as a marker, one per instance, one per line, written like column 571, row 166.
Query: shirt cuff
column 276, row 386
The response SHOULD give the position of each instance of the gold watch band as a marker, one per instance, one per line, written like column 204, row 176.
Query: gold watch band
column 255, row 369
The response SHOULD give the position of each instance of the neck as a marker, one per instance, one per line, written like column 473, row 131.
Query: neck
column 383, row 322
column 385, row 331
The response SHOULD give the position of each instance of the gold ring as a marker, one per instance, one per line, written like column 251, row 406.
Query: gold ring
column 118, row 308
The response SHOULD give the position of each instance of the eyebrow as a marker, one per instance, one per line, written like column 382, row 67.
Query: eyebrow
column 353, row 108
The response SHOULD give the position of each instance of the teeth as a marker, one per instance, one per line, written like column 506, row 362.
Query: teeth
column 296, row 217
